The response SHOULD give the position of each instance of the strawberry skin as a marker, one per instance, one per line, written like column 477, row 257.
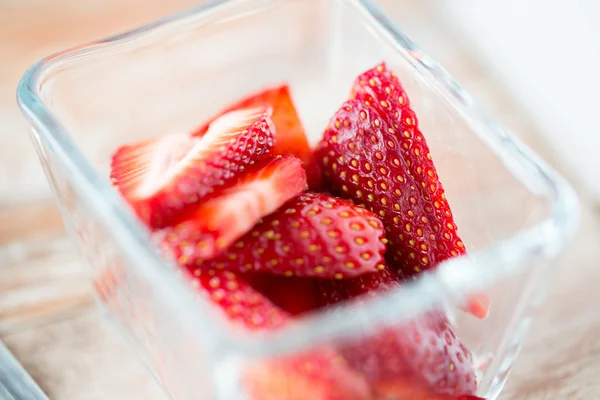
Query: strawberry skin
column 311, row 235
column 423, row 359
column 290, row 134
column 238, row 299
column 416, row 360
column 213, row 225
column 320, row 374
column 161, row 178
column 374, row 154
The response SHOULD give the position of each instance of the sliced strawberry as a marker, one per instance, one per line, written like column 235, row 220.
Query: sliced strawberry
column 374, row 154
column 318, row 375
column 163, row 177
column 417, row 360
column 311, row 235
column 290, row 134
column 215, row 224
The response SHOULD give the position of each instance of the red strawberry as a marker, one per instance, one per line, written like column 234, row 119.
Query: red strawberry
column 417, row 360
column 290, row 136
column 311, row 235
column 374, row 154
column 215, row 224
column 318, row 375
column 162, row 177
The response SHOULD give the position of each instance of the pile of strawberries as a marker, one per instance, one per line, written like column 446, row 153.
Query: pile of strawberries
column 269, row 228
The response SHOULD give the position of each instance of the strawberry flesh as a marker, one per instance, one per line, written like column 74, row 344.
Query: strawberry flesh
column 215, row 224
column 161, row 178
column 290, row 134
column 311, row 235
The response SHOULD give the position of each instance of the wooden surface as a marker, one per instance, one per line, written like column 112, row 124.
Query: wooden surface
column 47, row 316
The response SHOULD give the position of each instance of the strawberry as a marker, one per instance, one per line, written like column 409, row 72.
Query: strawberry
column 290, row 136
column 319, row 375
column 163, row 177
column 311, row 235
column 374, row 154
column 423, row 359
column 417, row 360
column 215, row 224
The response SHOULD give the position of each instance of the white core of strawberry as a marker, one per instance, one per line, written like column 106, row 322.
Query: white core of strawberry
column 169, row 157
column 149, row 163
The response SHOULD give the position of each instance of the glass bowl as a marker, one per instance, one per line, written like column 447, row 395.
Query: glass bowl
column 515, row 214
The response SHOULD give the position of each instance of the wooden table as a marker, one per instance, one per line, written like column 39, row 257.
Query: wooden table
column 47, row 317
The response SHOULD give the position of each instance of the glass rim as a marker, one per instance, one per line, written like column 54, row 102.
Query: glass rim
column 449, row 281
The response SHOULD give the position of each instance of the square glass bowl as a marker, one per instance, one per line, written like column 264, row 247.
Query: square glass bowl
column 514, row 213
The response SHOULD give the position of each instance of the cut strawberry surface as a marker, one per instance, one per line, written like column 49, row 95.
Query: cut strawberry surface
column 161, row 178
column 311, row 235
column 318, row 375
column 290, row 134
column 374, row 154
column 215, row 224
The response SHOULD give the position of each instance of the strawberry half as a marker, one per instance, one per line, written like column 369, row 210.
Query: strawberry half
column 318, row 375
column 215, row 224
column 290, row 135
column 374, row 154
column 423, row 359
column 161, row 178
column 311, row 235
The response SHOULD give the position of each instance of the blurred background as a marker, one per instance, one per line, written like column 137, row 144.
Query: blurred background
column 532, row 63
